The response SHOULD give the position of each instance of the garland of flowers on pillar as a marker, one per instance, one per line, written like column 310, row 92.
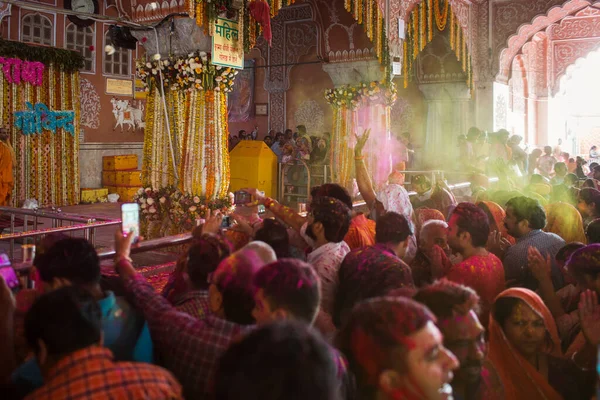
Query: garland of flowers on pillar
column 47, row 167
column 345, row 100
column 419, row 33
column 370, row 16
column 196, row 97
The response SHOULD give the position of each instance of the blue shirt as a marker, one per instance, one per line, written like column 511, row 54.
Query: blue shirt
column 516, row 264
column 278, row 150
column 126, row 334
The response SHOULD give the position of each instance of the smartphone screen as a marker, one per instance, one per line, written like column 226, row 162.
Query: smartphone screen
column 130, row 219
column 261, row 209
column 226, row 222
column 241, row 197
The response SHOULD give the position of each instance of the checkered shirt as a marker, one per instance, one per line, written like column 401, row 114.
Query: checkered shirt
column 91, row 373
column 190, row 346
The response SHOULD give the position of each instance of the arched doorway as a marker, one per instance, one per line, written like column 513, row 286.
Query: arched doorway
column 525, row 94
column 574, row 115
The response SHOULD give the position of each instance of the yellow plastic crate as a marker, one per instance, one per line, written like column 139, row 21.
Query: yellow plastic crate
column 120, row 163
column 126, row 193
column 109, row 178
column 93, row 195
column 253, row 165
column 129, row 178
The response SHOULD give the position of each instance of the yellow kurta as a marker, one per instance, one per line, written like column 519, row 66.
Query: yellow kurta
column 6, row 173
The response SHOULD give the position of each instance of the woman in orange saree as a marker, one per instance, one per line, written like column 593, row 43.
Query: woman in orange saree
column 525, row 349
column 564, row 220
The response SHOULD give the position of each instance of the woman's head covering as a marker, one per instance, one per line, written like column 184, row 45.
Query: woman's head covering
column 564, row 220
column 496, row 215
column 521, row 380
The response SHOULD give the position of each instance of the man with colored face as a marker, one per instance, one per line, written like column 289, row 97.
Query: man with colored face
column 468, row 232
column 432, row 259
column 395, row 351
column 456, row 307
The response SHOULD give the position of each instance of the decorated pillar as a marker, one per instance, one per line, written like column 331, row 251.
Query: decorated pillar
column 361, row 99
column 39, row 94
column 185, row 144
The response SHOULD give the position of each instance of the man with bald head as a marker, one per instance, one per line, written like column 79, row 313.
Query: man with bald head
column 431, row 261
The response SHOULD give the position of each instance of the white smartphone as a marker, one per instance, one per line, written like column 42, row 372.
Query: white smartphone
column 130, row 219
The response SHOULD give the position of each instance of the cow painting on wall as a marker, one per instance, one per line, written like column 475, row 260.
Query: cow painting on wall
column 126, row 113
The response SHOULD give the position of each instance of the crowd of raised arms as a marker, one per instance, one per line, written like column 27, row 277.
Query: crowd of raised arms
column 409, row 297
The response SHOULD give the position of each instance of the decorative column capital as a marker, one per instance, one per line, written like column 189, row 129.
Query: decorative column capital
column 354, row 72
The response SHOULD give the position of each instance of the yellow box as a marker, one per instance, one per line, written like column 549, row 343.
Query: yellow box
column 88, row 195
column 93, row 195
column 126, row 193
column 120, row 163
column 101, row 194
column 253, row 165
column 129, row 178
column 109, row 178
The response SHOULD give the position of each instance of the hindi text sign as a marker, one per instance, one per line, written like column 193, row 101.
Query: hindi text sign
column 227, row 49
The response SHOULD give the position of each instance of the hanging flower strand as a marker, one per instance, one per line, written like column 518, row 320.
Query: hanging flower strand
column 16, row 70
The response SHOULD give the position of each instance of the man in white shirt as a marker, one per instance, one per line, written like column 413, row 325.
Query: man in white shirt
column 328, row 223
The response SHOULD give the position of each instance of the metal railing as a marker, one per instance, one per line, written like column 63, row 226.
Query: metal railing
column 149, row 245
column 87, row 224
column 283, row 168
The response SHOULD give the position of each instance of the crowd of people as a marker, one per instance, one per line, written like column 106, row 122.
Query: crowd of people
column 290, row 146
column 492, row 297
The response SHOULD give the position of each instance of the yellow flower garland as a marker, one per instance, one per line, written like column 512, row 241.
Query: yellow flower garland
column 441, row 17
column 199, row 123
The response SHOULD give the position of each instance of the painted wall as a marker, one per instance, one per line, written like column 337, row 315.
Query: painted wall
column 306, row 104
column 98, row 119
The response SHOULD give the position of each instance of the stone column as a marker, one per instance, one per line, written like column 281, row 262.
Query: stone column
column 448, row 115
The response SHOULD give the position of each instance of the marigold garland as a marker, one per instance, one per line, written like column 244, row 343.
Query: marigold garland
column 350, row 96
column 441, row 17
column 206, row 12
column 372, row 19
column 199, row 128
column 419, row 33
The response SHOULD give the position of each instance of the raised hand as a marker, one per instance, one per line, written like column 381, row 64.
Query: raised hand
column 589, row 316
column 213, row 223
column 497, row 244
column 539, row 266
column 242, row 225
column 361, row 141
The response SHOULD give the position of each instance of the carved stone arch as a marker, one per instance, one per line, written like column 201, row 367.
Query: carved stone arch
column 507, row 51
